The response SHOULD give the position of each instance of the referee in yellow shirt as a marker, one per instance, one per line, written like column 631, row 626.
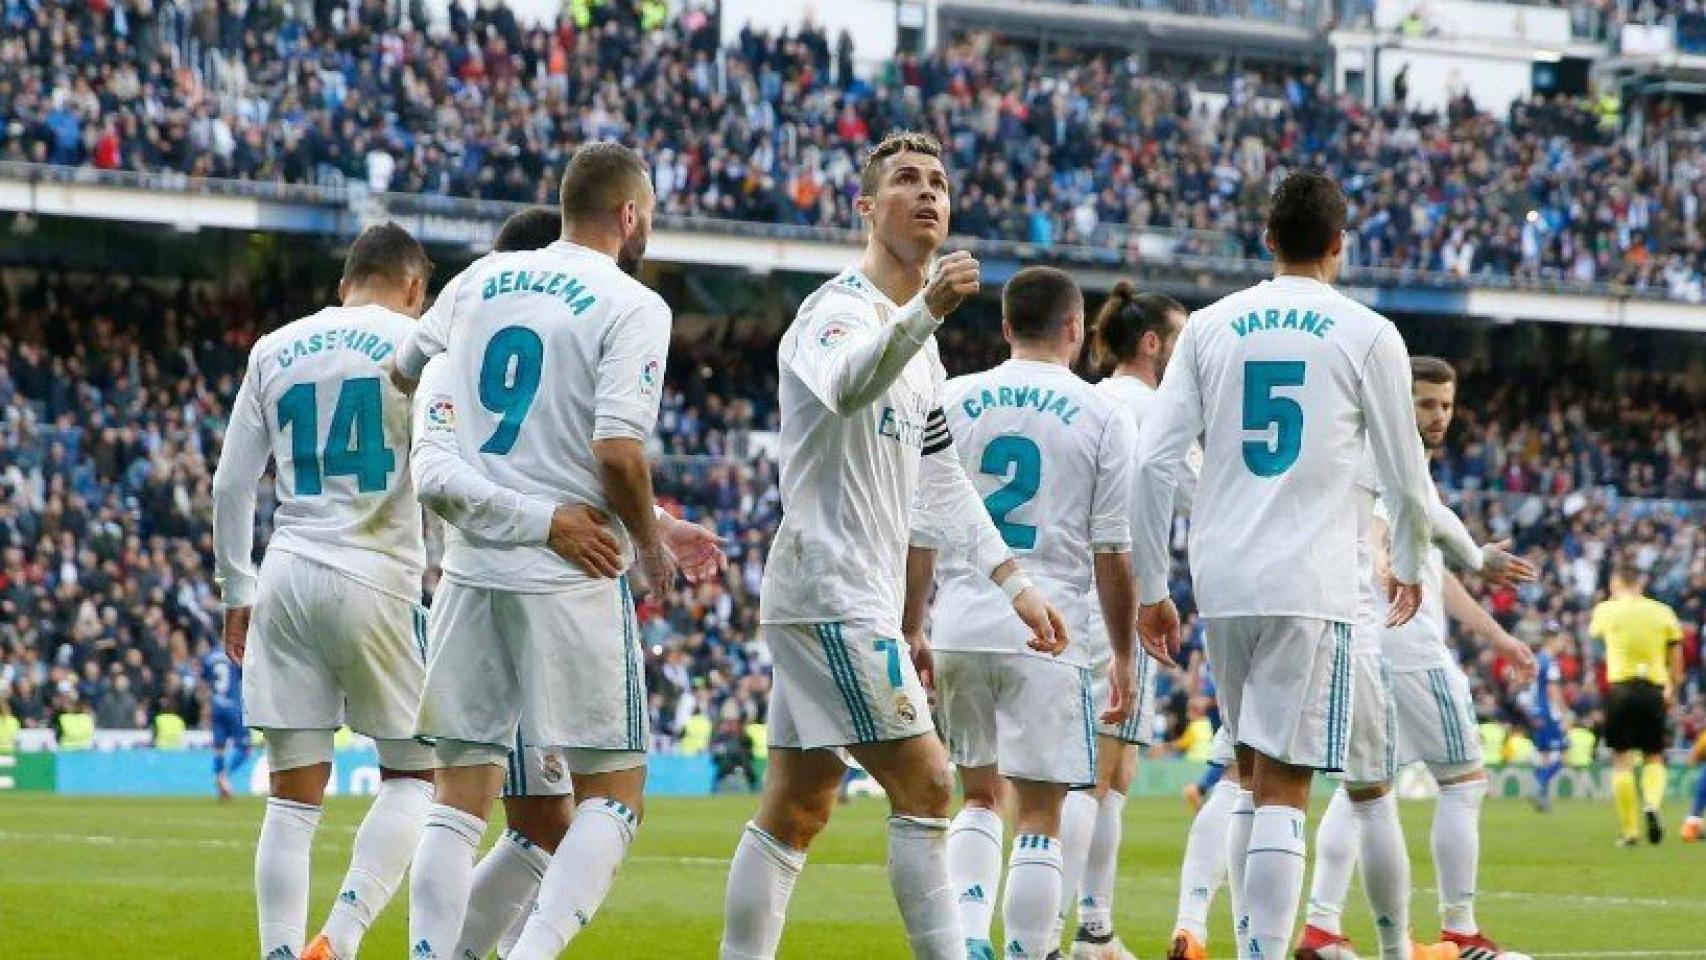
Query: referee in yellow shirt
column 1643, row 663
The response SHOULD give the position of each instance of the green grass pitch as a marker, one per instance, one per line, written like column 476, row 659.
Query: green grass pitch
column 93, row 877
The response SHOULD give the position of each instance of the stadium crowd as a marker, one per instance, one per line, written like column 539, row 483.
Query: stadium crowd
column 113, row 398
column 1086, row 150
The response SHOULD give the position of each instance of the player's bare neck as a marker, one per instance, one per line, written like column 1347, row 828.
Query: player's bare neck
column 1041, row 353
column 898, row 274
column 1321, row 271
column 390, row 297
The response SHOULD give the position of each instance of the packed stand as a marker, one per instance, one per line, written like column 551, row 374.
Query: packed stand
column 770, row 129
column 113, row 397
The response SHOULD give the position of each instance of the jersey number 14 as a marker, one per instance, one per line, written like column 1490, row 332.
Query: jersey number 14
column 355, row 446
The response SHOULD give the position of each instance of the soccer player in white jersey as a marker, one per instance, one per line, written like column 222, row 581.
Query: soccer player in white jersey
column 538, row 791
column 1285, row 382
column 555, row 365
column 1134, row 334
column 1052, row 458
column 862, row 432
column 1434, row 711
column 331, row 633
column 1365, row 801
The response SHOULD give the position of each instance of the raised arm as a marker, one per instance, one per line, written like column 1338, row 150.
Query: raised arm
column 430, row 337
column 848, row 361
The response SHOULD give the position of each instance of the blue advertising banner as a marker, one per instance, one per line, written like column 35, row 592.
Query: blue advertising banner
column 354, row 771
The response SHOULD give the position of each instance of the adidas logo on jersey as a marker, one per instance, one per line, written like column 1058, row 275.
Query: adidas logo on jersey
column 349, row 897
column 974, row 894
column 423, row 951
column 281, row 953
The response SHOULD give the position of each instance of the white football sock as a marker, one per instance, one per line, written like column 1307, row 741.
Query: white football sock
column 918, row 874
column 383, row 847
column 1096, row 891
column 438, row 885
column 505, row 881
column 1032, row 902
column 1077, row 829
column 1457, row 852
column 974, row 867
column 281, row 874
column 507, row 942
column 1273, row 880
column 1386, row 873
column 1204, row 869
column 1237, row 857
column 580, row 876
column 755, row 906
column 1336, row 843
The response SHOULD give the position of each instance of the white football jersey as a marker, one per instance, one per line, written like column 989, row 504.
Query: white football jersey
column 1137, row 397
column 546, row 352
column 317, row 400
column 1051, row 458
column 1421, row 643
column 1285, row 382
column 855, row 431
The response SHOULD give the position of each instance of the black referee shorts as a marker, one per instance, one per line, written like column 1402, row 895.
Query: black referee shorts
column 1635, row 717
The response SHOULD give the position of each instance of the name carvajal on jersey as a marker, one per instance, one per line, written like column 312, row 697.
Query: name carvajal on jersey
column 1041, row 399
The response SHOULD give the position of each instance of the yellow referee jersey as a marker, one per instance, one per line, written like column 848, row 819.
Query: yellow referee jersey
column 1638, row 632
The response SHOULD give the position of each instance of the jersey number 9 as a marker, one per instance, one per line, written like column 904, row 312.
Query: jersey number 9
column 509, row 379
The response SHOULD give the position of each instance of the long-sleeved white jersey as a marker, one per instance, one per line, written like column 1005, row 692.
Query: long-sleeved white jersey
column 1421, row 643
column 1136, row 398
column 1286, row 382
column 546, row 352
column 1052, row 458
column 862, row 434
column 315, row 399
column 465, row 498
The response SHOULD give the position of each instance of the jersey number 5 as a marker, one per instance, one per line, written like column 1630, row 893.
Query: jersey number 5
column 1020, row 456
column 509, row 379
column 365, row 456
column 1263, row 410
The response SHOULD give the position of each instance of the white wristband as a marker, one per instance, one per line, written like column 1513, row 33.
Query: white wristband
column 1016, row 584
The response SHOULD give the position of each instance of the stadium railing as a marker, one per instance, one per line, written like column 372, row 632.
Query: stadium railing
column 471, row 222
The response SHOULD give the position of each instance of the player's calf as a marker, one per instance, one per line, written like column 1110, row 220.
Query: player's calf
column 612, row 787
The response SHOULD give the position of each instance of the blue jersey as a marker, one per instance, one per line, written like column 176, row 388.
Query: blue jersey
column 1547, row 672
column 225, row 680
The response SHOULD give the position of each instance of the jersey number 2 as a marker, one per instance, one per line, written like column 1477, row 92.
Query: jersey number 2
column 1263, row 410
column 509, row 379
column 1020, row 456
column 360, row 412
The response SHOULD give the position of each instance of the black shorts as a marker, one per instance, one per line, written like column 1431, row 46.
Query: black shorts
column 1635, row 717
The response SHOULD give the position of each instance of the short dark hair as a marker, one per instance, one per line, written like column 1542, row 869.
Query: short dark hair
column 601, row 177
column 1125, row 317
column 530, row 229
column 1625, row 571
column 1304, row 215
column 901, row 141
column 388, row 253
column 1037, row 301
column 1431, row 370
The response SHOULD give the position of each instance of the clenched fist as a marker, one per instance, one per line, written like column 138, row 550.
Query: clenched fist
column 957, row 276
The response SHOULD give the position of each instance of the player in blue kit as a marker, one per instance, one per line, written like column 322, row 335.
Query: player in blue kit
column 225, row 702
column 1546, row 716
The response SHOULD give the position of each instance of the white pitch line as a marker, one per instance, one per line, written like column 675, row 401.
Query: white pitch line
column 1622, row 953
